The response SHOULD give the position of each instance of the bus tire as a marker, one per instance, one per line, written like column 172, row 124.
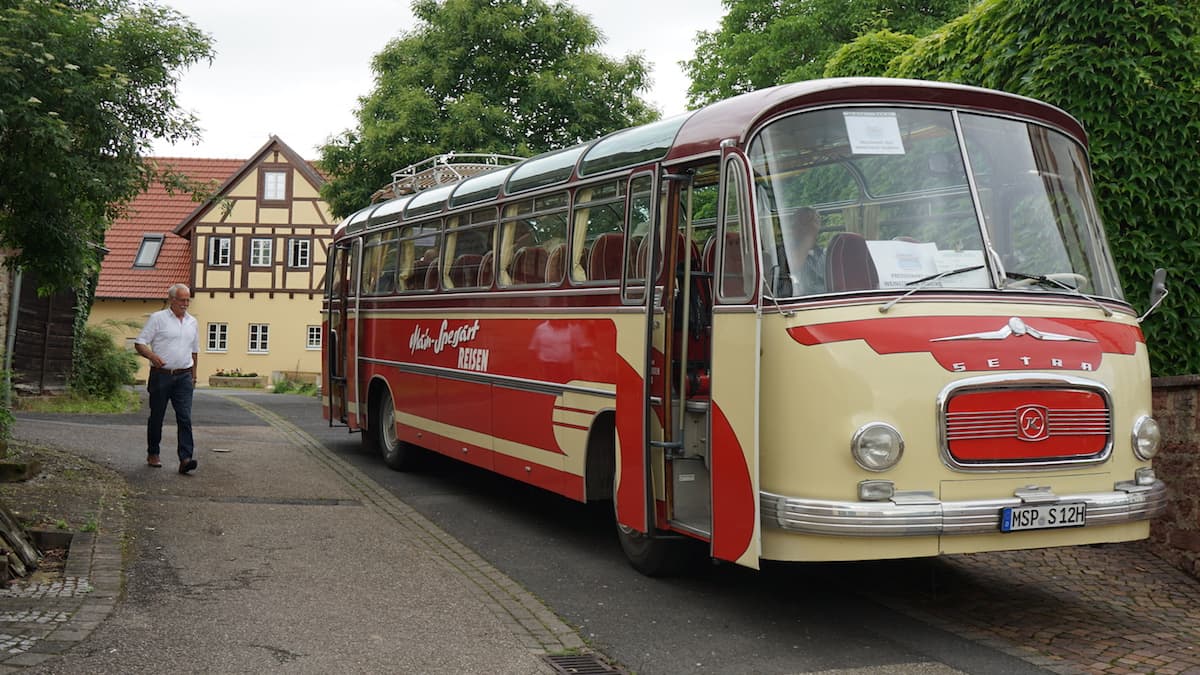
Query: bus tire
column 653, row 556
column 396, row 453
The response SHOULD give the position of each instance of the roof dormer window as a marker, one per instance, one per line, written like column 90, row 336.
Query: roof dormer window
column 147, row 254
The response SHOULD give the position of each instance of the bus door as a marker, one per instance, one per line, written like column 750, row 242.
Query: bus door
column 338, row 298
column 641, row 370
column 735, row 375
column 686, row 444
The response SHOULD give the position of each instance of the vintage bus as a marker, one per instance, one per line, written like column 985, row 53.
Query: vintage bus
column 839, row 319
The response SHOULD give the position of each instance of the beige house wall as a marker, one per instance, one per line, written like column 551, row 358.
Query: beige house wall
column 287, row 320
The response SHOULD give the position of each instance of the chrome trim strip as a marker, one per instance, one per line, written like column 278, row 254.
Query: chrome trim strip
column 918, row 514
column 505, row 381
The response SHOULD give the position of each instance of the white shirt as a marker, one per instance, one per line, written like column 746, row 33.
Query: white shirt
column 172, row 338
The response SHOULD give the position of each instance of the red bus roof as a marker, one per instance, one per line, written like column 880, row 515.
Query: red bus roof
column 700, row 133
column 736, row 118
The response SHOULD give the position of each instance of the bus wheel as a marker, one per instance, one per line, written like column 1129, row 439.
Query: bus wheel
column 396, row 453
column 651, row 556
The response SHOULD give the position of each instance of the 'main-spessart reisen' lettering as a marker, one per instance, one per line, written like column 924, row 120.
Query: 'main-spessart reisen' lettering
column 469, row 358
column 421, row 339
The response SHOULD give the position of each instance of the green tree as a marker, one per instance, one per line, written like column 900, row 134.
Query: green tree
column 762, row 43
column 1130, row 71
column 85, row 86
column 869, row 54
column 509, row 76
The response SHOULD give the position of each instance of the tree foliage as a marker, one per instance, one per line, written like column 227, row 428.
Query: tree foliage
column 762, row 43
column 509, row 76
column 868, row 54
column 1130, row 71
column 85, row 87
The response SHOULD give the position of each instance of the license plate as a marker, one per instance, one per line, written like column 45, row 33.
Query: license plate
column 1043, row 516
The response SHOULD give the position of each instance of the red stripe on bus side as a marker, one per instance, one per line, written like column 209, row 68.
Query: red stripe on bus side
column 733, row 495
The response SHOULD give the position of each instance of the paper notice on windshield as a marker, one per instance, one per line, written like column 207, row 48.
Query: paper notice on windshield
column 900, row 263
column 873, row 133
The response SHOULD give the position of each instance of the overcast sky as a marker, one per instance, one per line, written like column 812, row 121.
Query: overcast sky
column 284, row 68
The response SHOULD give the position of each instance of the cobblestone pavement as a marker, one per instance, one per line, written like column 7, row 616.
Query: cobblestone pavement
column 40, row 619
column 1109, row 610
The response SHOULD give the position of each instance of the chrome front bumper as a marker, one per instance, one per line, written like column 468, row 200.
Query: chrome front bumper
column 910, row 514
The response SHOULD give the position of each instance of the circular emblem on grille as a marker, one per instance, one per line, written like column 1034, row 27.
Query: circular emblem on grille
column 1031, row 423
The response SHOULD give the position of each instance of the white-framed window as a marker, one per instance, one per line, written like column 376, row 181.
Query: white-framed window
column 314, row 338
column 259, row 338
column 147, row 253
column 274, row 186
column 260, row 252
column 218, row 251
column 218, row 337
column 299, row 253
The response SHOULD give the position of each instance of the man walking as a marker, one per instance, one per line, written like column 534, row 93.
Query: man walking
column 170, row 341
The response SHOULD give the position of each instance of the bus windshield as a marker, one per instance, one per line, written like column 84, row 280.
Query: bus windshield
column 879, row 198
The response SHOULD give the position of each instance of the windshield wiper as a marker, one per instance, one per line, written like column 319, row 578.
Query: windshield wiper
column 926, row 281
column 1023, row 279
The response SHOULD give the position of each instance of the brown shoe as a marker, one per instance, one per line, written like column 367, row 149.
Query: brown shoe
column 187, row 465
column 153, row 461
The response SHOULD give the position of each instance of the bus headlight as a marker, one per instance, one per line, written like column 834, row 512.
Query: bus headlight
column 877, row 446
column 1146, row 437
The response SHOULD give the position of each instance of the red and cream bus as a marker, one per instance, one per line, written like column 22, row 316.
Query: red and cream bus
column 883, row 322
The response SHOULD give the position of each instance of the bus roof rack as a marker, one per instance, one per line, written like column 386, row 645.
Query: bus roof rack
column 449, row 167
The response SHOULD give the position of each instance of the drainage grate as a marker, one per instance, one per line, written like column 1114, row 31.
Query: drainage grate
column 581, row 664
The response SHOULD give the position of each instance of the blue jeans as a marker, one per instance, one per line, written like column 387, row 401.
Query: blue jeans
column 176, row 389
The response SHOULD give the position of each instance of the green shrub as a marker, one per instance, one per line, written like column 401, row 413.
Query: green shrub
column 1130, row 71
column 101, row 368
column 286, row 386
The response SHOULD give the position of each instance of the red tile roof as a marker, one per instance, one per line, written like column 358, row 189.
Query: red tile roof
column 157, row 211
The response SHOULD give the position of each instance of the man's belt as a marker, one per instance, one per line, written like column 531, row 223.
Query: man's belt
column 169, row 371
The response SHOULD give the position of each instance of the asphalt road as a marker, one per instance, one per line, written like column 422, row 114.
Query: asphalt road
column 718, row 619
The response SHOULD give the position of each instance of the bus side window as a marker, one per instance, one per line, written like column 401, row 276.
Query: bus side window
column 469, row 241
column 736, row 271
column 535, row 227
column 598, row 213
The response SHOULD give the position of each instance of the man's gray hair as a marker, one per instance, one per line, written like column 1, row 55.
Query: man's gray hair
column 175, row 289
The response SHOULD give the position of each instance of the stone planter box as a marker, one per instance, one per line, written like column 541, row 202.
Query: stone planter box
column 241, row 382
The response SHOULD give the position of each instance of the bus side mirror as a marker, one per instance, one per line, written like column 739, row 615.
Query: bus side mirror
column 1158, row 291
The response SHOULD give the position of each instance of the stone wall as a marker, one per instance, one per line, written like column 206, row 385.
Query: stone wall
column 1176, row 534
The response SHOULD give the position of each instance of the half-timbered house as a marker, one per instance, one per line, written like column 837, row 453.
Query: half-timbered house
column 253, row 253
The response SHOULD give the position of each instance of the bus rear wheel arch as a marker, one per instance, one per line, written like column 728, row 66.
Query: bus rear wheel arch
column 380, row 434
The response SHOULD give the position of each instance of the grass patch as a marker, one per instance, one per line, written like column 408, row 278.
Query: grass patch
column 122, row 401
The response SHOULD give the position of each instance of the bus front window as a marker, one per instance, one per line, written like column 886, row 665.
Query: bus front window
column 878, row 198
column 1036, row 192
